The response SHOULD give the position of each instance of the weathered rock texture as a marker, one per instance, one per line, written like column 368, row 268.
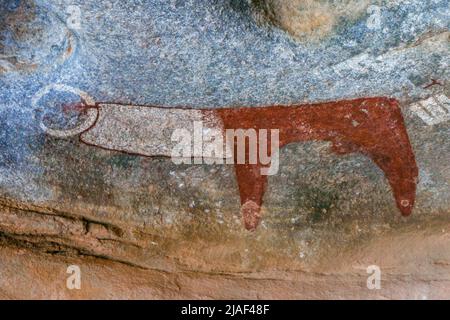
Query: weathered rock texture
column 144, row 227
column 309, row 19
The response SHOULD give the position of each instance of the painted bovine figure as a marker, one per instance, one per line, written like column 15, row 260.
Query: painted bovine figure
column 373, row 127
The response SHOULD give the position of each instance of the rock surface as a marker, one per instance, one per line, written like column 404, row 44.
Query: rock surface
column 144, row 227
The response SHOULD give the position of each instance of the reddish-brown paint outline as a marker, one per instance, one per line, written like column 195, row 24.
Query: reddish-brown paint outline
column 434, row 82
column 370, row 126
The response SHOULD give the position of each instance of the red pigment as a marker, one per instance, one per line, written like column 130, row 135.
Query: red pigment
column 370, row 126
column 434, row 82
column 75, row 106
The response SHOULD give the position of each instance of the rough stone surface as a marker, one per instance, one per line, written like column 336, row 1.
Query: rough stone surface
column 144, row 227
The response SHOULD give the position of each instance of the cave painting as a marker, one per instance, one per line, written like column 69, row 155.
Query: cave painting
column 373, row 127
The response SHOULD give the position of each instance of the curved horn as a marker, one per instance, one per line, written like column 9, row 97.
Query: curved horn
column 92, row 113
